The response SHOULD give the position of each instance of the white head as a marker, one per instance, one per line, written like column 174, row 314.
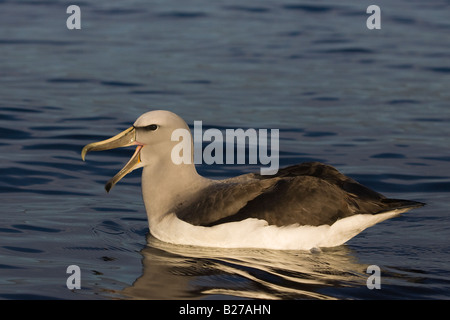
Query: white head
column 154, row 131
column 151, row 133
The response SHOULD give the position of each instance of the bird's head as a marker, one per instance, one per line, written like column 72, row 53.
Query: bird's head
column 152, row 136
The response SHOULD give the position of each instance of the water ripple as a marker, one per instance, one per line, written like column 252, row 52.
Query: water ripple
column 35, row 228
column 308, row 8
column 23, row 249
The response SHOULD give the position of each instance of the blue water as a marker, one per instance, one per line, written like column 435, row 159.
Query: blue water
column 372, row 103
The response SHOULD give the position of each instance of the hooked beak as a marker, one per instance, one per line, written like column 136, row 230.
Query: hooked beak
column 124, row 139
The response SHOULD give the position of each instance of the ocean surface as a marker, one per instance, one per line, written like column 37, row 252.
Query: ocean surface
column 373, row 103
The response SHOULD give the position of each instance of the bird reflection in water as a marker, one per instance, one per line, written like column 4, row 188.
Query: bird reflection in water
column 190, row 272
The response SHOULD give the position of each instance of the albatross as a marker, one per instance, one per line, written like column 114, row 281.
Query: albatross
column 301, row 207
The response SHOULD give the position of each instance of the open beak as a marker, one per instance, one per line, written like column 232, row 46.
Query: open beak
column 124, row 139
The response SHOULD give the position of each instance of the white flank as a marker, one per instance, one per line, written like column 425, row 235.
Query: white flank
column 255, row 233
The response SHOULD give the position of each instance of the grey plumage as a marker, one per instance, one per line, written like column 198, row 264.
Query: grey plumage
column 306, row 194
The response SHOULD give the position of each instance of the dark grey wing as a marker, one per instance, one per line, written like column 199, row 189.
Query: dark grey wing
column 302, row 200
column 329, row 174
column 359, row 196
column 310, row 201
column 221, row 200
column 305, row 194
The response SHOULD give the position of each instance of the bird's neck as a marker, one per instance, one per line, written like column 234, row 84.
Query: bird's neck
column 166, row 185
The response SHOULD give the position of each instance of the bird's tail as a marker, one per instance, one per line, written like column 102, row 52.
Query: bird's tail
column 400, row 205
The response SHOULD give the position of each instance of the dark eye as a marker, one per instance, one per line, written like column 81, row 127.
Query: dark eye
column 151, row 127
